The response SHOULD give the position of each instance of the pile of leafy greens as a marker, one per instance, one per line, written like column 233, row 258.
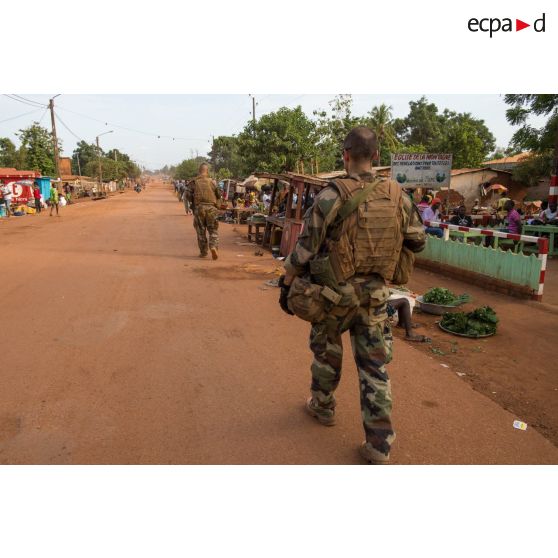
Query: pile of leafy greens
column 444, row 297
column 481, row 321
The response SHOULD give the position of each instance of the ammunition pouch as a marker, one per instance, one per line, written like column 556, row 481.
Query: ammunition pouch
column 404, row 267
column 313, row 303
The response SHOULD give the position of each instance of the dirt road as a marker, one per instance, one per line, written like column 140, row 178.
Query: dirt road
column 119, row 345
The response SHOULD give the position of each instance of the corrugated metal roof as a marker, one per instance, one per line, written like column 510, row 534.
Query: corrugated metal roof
column 6, row 171
column 508, row 160
column 456, row 172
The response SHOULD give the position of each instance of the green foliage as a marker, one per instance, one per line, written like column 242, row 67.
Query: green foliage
column 331, row 130
column 466, row 137
column 530, row 170
column 189, row 168
column 86, row 152
column 422, row 126
column 277, row 141
column 8, row 153
column 111, row 169
column 225, row 154
column 481, row 321
column 37, row 149
column 528, row 137
column 224, row 173
column 426, row 129
column 440, row 295
column 540, row 141
column 380, row 120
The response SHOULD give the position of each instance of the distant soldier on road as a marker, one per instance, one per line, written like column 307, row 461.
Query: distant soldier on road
column 360, row 233
column 205, row 194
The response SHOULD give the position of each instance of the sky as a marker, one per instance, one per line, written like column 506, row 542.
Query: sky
column 137, row 121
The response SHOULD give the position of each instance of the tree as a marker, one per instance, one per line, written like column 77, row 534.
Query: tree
column 225, row 154
column 380, row 120
column 331, row 130
column 86, row 152
column 426, row 129
column 528, row 137
column 278, row 141
column 189, row 168
column 542, row 142
column 111, row 169
column 37, row 148
column 8, row 153
column 224, row 173
column 422, row 126
column 467, row 138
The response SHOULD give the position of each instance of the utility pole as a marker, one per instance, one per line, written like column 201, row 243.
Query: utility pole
column 99, row 159
column 54, row 136
column 253, row 110
column 100, row 165
column 78, row 163
column 553, row 191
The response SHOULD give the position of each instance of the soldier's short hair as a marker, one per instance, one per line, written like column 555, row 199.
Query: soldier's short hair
column 203, row 166
column 361, row 142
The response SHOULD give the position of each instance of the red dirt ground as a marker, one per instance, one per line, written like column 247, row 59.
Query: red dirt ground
column 124, row 347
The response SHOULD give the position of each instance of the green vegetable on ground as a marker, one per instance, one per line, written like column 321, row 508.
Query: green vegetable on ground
column 439, row 295
column 481, row 321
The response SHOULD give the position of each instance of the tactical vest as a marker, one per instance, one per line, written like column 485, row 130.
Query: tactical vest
column 370, row 239
column 204, row 191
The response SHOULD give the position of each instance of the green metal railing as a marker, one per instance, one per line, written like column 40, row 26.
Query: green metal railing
column 518, row 269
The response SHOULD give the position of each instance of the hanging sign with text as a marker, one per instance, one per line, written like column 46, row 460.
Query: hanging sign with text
column 426, row 170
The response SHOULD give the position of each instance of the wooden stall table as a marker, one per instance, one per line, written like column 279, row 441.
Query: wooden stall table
column 238, row 211
column 255, row 232
column 543, row 230
column 273, row 223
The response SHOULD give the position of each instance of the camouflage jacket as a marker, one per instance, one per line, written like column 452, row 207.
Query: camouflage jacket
column 321, row 216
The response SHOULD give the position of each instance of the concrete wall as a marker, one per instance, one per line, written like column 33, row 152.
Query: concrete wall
column 467, row 184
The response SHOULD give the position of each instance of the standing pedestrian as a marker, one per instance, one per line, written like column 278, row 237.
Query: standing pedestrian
column 37, row 198
column 186, row 198
column 7, row 194
column 205, row 193
column 360, row 232
column 54, row 199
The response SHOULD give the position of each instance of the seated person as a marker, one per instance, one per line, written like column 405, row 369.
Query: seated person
column 461, row 219
column 550, row 213
column 403, row 309
column 424, row 203
column 432, row 213
column 514, row 218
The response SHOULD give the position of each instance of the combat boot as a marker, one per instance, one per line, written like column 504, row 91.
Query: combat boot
column 372, row 455
column 214, row 253
column 323, row 416
column 202, row 255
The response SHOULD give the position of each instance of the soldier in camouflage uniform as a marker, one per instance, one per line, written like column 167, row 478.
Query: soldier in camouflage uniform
column 205, row 194
column 389, row 221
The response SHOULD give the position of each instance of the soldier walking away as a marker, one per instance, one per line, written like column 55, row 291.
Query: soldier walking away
column 361, row 232
column 205, row 194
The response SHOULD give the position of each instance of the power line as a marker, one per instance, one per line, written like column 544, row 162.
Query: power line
column 112, row 124
column 67, row 128
column 46, row 110
column 29, row 100
column 32, row 104
column 19, row 115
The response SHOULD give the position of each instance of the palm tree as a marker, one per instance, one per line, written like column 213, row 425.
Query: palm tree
column 381, row 121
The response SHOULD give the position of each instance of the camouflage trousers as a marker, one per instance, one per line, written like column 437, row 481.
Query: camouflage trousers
column 371, row 341
column 205, row 223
